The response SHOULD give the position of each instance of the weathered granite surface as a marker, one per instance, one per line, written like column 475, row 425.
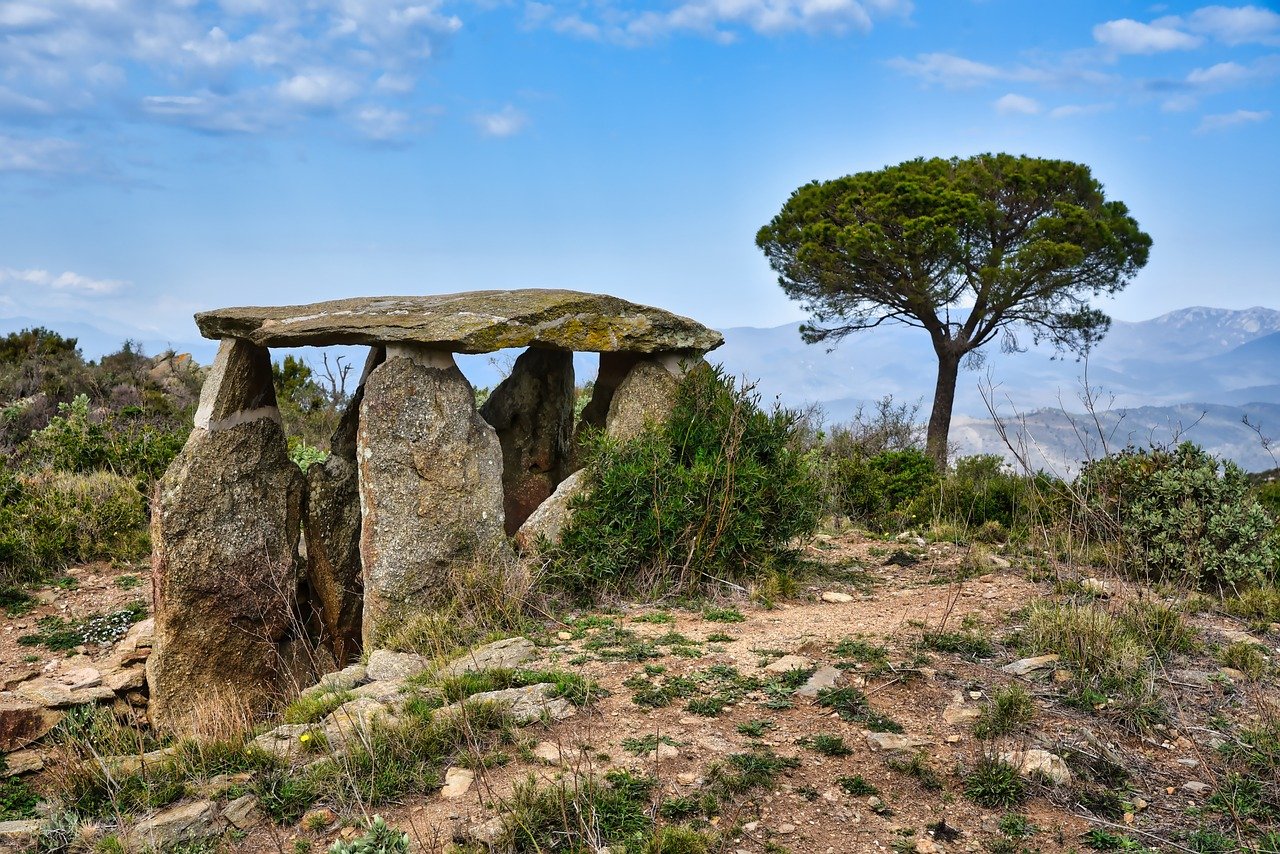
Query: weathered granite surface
column 430, row 476
column 472, row 322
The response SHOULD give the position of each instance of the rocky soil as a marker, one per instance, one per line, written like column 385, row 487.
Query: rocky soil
column 761, row 680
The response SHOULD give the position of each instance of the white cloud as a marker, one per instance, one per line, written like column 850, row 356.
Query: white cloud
column 506, row 122
column 67, row 282
column 948, row 70
column 1016, row 105
column 1222, row 74
column 720, row 20
column 382, row 124
column 1129, row 36
column 1067, row 111
column 48, row 155
column 1222, row 121
column 1236, row 25
column 319, row 88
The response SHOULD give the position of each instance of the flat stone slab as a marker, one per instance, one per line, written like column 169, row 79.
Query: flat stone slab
column 471, row 322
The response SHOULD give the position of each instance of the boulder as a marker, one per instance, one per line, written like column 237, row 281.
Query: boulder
column 224, row 531
column 506, row 654
column 526, row 705
column 430, row 475
column 532, row 412
column 333, row 531
column 472, row 322
column 1037, row 762
column 385, row 664
column 23, row 722
column 552, row 515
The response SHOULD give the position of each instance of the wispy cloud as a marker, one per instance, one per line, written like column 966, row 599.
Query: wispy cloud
column 1129, row 36
column 66, row 282
column 720, row 20
column 45, row 156
column 1237, row 25
column 508, row 121
column 1223, row 121
column 1016, row 105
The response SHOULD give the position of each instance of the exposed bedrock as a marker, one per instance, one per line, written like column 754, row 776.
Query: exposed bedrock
column 430, row 475
column 532, row 412
column 332, row 531
column 225, row 527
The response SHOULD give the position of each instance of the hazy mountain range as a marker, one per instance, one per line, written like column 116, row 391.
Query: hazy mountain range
column 1194, row 373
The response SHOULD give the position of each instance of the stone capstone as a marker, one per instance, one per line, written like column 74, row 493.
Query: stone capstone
column 430, row 476
column 472, row 322
column 224, row 531
column 333, row 530
column 532, row 412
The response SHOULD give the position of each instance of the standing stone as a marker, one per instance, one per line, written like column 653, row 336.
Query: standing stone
column 532, row 410
column 225, row 524
column 430, row 485
column 647, row 394
column 614, row 368
column 333, row 530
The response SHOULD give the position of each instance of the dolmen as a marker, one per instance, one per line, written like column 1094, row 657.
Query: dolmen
column 266, row 576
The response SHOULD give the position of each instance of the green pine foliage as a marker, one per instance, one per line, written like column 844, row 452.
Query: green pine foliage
column 717, row 492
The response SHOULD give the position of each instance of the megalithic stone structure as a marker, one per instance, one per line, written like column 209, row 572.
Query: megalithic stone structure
column 434, row 482
column 225, row 527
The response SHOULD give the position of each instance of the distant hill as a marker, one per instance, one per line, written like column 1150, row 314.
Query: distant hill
column 1158, row 372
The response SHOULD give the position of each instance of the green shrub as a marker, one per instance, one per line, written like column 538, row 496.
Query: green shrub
column 1011, row 707
column 379, row 838
column 51, row 520
column 995, row 784
column 1179, row 519
column 872, row 488
column 982, row 494
column 718, row 491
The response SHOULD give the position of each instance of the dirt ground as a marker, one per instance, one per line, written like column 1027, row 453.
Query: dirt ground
column 897, row 591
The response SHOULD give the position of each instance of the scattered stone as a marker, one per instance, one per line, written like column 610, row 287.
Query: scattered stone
column 284, row 740
column 891, row 742
column 385, row 691
column 1039, row 762
column 998, row 562
column 20, row 835
column 959, row 712
column 457, row 782
column 825, row 677
column 243, row 813
column 663, row 752
column 53, row 695
column 129, row 679
column 385, row 664
column 353, row 721
column 507, row 654
column 564, row 636
column 835, row 597
column 22, row 723
column 345, row 679
column 526, row 705
column 548, row 752
column 21, row 762
column 1028, row 666
column 187, row 822
column 928, row 846
column 1195, row 787
column 785, row 829
column 489, row 832
column 81, row 679
column 686, row 778
column 788, row 663
column 1233, row 674
column 1188, row 762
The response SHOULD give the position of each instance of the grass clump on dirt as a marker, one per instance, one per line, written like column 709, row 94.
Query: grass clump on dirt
column 1008, row 709
column 995, row 784
column 717, row 492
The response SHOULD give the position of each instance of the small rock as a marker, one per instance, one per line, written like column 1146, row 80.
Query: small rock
column 384, row 690
column 1027, row 666
column 785, row 829
column 384, row 664
column 181, row 823
column 663, row 752
column 959, row 711
column 686, row 778
column 353, row 721
column 488, row 832
column 243, row 813
column 548, row 752
column 319, row 818
column 457, row 782
column 283, row 741
column 1233, row 674
column 342, row 680
column 21, row 762
column 20, row 835
column 835, row 597
column 1040, row 763
column 998, row 562
column 1188, row 762
column 564, row 636
column 788, row 662
column 1097, row 586
column 928, row 846
column 824, row 677
column 84, row 677
column 128, row 679
column 892, row 742
column 1195, row 787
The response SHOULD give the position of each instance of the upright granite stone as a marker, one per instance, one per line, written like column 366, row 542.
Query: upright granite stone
column 613, row 369
column 225, row 525
column 430, row 485
column 333, row 531
column 532, row 410
column 647, row 394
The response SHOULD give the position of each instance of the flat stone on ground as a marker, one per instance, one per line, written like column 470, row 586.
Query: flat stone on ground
column 471, row 322
column 506, row 654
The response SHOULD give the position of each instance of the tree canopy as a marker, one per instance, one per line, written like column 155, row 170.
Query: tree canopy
column 965, row 249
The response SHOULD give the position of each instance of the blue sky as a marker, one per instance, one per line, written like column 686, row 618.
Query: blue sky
column 159, row 157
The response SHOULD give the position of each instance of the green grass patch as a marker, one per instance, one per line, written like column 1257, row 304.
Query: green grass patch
column 60, row 635
column 723, row 615
column 1009, row 708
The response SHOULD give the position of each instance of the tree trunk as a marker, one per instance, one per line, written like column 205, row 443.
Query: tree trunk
column 944, row 397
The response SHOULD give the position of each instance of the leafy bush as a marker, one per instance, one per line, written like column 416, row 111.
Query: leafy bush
column 872, row 488
column 716, row 492
column 1179, row 518
column 52, row 519
column 981, row 490
column 133, row 441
